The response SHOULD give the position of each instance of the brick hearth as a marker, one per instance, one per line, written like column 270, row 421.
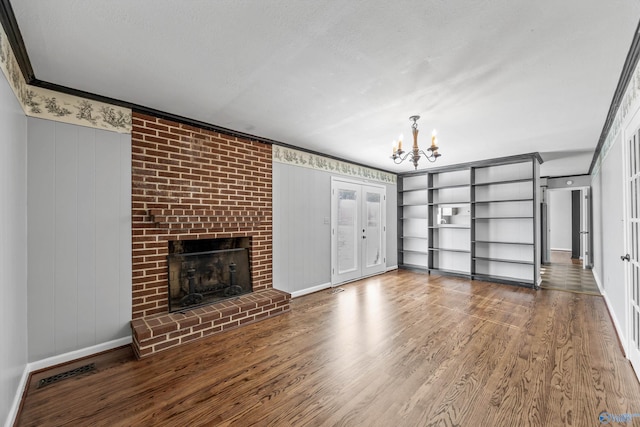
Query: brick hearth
column 192, row 183
column 156, row 333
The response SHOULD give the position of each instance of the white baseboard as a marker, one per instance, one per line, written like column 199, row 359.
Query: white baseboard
column 324, row 286
column 13, row 410
column 561, row 249
column 311, row 290
column 614, row 318
column 53, row 361
column 596, row 277
column 77, row 354
column 616, row 325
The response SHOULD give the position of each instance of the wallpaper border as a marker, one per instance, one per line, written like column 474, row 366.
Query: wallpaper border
column 628, row 104
column 47, row 104
column 313, row 161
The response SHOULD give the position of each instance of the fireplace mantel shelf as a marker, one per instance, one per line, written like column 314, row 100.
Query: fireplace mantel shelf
column 187, row 219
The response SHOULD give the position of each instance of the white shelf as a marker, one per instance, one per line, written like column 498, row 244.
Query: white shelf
column 491, row 219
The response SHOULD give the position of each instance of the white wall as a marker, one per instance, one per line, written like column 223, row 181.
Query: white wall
column 559, row 202
column 13, row 250
column 609, row 233
column 79, row 237
column 302, row 229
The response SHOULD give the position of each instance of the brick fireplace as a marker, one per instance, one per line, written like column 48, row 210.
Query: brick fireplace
column 190, row 183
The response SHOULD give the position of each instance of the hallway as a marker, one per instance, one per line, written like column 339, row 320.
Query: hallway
column 566, row 274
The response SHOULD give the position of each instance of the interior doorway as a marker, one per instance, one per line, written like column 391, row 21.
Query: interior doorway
column 568, row 224
column 358, row 230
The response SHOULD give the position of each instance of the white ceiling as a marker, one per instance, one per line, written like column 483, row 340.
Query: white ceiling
column 495, row 77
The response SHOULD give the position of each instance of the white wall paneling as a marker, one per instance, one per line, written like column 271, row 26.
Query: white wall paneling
column 302, row 229
column 13, row 252
column 609, row 234
column 79, row 237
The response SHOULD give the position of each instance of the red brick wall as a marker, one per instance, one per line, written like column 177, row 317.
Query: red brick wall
column 191, row 183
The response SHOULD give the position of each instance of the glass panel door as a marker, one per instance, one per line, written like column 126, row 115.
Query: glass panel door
column 632, row 257
column 348, row 236
column 346, row 231
column 373, row 231
column 357, row 232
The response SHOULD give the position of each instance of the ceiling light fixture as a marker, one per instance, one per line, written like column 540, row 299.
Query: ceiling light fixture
column 415, row 153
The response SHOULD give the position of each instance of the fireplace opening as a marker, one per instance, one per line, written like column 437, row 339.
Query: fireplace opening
column 205, row 271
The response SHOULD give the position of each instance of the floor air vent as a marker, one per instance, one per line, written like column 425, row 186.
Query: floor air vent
column 335, row 290
column 64, row 375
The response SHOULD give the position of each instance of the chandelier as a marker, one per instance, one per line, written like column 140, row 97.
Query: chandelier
column 416, row 153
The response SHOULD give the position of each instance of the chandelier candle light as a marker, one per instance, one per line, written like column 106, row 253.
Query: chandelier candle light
column 415, row 153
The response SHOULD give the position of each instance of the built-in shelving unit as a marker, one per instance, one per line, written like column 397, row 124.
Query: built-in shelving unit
column 478, row 220
column 449, row 222
column 412, row 222
column 504, row 214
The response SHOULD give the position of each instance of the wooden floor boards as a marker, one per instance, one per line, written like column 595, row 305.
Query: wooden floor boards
column 402, row 348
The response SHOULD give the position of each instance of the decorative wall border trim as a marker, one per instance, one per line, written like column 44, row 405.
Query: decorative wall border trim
column 625, row 96
column 628, row 104
column 108, row 108
column 47, row 104
column 313, row 161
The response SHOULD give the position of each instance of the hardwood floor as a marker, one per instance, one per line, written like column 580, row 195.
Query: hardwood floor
column 402, row 348
column 566, row 274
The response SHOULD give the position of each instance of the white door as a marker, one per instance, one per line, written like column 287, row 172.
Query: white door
column 632, row 257
column 357, row 230
column 373, row 230
column 585, row 227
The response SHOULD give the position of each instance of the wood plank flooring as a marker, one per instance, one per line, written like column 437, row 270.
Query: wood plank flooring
column 566, row 274
column 403, row 348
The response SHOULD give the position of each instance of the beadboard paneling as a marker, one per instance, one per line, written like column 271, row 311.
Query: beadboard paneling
column 79, row 237
column 302, row 229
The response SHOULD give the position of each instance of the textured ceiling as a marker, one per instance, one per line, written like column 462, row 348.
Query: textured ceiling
column 495, row 77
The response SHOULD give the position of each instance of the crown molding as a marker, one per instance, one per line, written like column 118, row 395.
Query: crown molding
column 628, row 70
column 10, row 25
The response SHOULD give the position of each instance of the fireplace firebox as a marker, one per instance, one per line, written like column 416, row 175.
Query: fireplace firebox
column 206, row 271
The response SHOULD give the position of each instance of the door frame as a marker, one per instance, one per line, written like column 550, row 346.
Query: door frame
column 630, row 128
column 585, row 222
column 383, row 213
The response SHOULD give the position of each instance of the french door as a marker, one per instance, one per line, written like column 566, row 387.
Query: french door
column 585, row 226
column 632, row 257
column 357, row 230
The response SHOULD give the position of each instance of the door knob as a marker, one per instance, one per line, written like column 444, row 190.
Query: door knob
column 627, row 257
